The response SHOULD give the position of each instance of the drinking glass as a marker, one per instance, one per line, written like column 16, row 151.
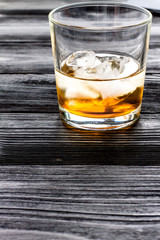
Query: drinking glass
column 100, row 52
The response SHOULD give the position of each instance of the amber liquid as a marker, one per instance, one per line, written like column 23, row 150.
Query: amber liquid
column 98, row 106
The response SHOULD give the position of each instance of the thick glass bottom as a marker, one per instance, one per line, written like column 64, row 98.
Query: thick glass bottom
column 99, row 124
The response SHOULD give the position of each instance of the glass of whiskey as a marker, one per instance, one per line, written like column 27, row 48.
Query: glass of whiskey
column 100, row 52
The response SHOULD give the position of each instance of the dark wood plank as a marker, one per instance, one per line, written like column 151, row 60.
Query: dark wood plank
column 69, row 201
column 79, row 203
column 28, row 93
column 26, row 58
column 29, row 58
column 25, row 93
column 24, row 28
column 35, row 28
column 37, row 93
column 27, row 86
column 43, row 139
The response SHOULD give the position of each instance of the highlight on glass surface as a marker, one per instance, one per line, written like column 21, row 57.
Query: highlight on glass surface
column 100, row 52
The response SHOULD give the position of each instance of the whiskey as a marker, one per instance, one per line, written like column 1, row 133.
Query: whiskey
column 97, row 85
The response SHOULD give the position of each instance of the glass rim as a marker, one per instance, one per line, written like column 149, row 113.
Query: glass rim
column 101, row 3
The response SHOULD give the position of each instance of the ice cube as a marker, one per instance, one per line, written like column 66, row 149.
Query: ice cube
column 81, row 90
column 75, row 88
column 113, row 65
column 118, row 88
column 81, row 59
column 99, row 70
column 88, row 65
column 98, row 67
column 130, row 67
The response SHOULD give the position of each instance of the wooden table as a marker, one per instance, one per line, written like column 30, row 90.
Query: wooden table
column 59, row 183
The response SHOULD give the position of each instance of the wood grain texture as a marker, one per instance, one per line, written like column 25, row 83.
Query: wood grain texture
column 43, row 139
column 27, row 86
column 24, row 28
column 81, row 203
column 34, row 27
column 37, row 93
column 59, row 183
column 29, row 58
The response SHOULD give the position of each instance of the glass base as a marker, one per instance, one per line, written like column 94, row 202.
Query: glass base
column 99, row 124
